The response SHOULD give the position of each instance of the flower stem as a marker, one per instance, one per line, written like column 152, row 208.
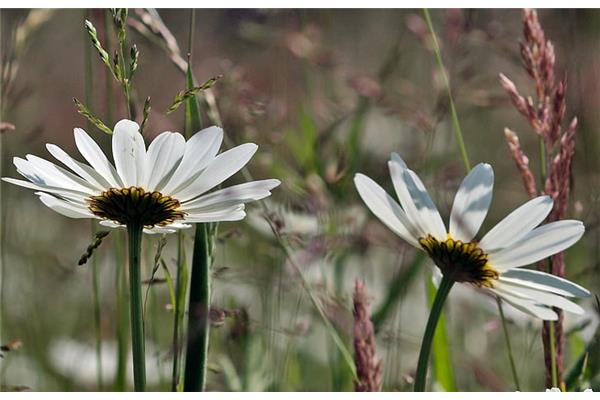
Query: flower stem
column 511, row 359
column 134, row 233
column 434, row 315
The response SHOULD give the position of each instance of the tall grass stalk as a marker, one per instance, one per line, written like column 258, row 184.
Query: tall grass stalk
column 2, row 212
column 196, row 359
column 461, row 144
column 455, row 123
column 178, row 301
column 551, row 324
column 89, row 89
column 511, row 358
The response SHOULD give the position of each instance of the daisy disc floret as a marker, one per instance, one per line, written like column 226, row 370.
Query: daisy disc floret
column 162, row 188
column 492, row 263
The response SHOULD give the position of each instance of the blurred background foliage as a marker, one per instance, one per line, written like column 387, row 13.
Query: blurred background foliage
column 325, row 94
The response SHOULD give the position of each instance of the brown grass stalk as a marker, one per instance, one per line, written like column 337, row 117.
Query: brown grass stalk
column 545, row 116
column 368, row 366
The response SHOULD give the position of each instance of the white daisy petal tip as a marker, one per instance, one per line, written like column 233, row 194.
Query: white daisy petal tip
column 126, row 125
column 472, row 202
column 395, row 157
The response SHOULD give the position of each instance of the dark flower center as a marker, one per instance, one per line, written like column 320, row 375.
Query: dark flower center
column 461, row 262
column 134, row 205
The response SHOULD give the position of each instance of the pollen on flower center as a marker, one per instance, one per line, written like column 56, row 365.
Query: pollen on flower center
column 134, row 205
column 462, row 262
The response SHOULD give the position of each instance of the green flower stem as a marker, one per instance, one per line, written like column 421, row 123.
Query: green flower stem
column 511, row 359
column 434, row 315
column 134, row 233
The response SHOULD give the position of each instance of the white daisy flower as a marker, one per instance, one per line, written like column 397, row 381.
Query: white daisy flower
column 493, row 262
column 163, row 188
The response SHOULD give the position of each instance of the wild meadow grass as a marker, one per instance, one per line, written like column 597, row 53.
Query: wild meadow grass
column 310, row 291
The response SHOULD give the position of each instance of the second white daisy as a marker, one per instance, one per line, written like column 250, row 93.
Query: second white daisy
column 493, row 262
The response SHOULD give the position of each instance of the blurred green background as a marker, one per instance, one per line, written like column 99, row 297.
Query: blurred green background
column 325, row 94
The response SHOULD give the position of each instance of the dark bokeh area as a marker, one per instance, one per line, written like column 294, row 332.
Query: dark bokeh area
column 324, row 94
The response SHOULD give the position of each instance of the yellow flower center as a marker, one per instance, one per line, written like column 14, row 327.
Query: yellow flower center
column 461, row 262
column 134, row 205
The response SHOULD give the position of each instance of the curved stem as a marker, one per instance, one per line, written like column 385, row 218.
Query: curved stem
column 434, row 315
column 134, row 233
column 511, row 359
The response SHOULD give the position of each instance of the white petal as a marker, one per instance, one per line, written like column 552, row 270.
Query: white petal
column 233, row 195
column 172, row 228
column 111, row 224
column 67, row 193
column 541, row 298
column 96, row 158
column 386, row 209
column 200, row 150
column 527, row 306
column 543, row 281
column 538, row 244
column 45, row 173
column 163, row 157
column 415, row 201
column 63, row 207
column 471, row 203
column 129, row 152
column 517, row 224
column 235, row 213
column 221, row 168
column 60, row 176
column 81, row 169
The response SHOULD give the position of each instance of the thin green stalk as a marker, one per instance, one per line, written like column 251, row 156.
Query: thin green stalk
column 125, row 79
column 178, row 311
column 434, row 315
column 453, row 113
column 554, row 371
column 97, row 316
column 459, row 137
column 134, row 236
column 108, row 80
column 511, row 359
column 2, row 218
column 89, row 87
column 196, row 359
column 551, row 324
column 543, row 168
column 198, row 313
